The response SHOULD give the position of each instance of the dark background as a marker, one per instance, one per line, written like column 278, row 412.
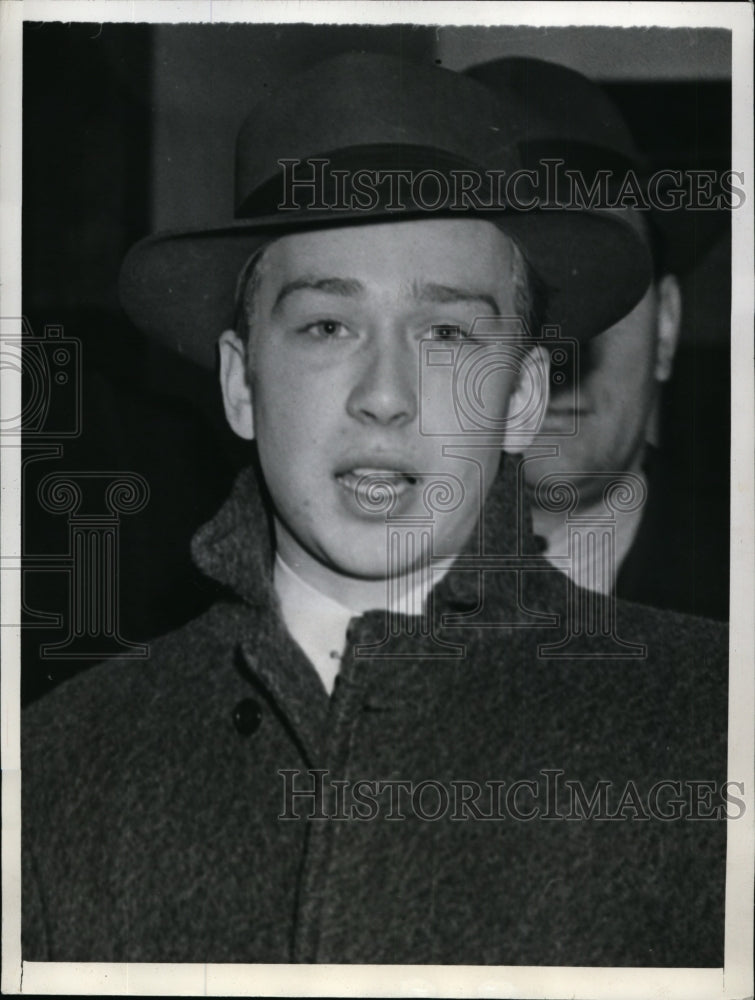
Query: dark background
column 129, row 128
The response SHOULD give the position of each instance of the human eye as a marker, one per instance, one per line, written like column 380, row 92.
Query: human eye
column 449, row 331
column 325, row 329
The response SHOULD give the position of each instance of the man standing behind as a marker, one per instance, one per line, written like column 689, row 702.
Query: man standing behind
column 602, row 430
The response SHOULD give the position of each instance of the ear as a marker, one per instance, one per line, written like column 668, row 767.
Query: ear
column 234, row 384
column 668, row 325
column 528, row 400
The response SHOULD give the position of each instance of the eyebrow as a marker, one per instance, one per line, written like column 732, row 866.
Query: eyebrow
column 431, row 292
column 351, row 288
column 331, row 286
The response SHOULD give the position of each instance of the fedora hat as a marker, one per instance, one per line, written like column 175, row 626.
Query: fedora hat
column 335, row 123
column 572, row 118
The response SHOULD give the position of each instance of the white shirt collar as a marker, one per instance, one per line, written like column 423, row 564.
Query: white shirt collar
column 318, row 624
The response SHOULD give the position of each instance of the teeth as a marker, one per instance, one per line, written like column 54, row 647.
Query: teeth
column 352, row 477
column 387, row 473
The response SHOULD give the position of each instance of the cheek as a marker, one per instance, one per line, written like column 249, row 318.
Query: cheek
column 625, row 358
column 471, row 398
column 286, row 404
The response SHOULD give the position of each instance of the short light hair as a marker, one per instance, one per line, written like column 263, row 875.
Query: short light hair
column 529, row 292
column 247, row 286
column 530, row 295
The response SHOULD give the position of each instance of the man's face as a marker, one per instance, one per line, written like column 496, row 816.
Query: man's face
column 332, row 391
column 616, row 395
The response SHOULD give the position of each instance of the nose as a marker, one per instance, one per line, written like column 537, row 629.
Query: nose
column 385, row 391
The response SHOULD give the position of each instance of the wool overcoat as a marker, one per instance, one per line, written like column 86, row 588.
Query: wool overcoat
column 508, row 781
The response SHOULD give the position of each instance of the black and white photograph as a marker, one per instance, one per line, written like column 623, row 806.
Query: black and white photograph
column 377, row 455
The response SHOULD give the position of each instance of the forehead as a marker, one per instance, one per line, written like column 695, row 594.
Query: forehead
column 458, row 252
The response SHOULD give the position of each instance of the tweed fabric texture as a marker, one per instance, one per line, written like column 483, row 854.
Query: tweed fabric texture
column 152, row 829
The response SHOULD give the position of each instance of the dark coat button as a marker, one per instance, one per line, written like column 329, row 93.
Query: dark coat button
column 247, row 716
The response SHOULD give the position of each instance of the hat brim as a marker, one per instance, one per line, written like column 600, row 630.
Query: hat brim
column 180, row 286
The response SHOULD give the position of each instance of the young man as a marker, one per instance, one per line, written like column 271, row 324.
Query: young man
column 325, row 376
column 603, row 422
column 372, row 748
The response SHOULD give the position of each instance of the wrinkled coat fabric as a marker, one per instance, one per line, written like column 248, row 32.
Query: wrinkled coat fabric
column 152, row 824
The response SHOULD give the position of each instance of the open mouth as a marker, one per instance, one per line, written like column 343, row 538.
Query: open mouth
column 376, row 489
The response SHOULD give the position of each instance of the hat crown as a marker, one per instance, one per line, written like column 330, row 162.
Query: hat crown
column 562, row 105
column 361, row 100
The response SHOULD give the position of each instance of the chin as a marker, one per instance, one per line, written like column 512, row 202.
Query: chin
column 372, row 564
column 362, row 559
